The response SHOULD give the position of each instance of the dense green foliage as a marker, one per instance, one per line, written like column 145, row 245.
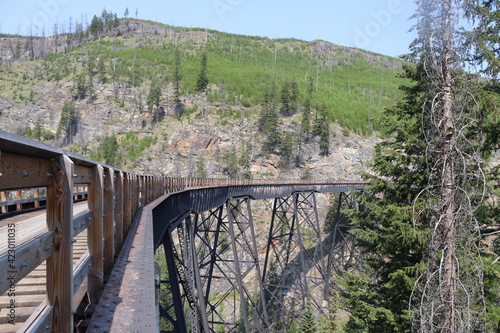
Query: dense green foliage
column 116, row 151
column 108, row 151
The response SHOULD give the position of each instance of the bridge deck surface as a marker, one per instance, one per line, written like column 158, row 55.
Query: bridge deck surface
column 30, row 292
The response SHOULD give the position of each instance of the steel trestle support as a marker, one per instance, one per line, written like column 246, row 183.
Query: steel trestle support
column 213, row 257
column 216, row 281
column 294, row 268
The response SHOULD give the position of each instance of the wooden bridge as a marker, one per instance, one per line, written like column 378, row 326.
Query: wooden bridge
column 76, row 258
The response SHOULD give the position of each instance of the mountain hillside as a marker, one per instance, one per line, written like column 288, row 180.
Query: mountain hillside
column 128, row 93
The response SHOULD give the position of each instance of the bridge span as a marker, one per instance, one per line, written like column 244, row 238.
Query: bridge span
column 210, row 275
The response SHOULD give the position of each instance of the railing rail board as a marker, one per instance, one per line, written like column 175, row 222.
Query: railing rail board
column 27, row 258
column 81, row 222
column 81, row 271
column 20, row 172
column 40, row 321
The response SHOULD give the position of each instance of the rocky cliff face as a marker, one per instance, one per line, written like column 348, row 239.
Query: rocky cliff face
column 179, row 154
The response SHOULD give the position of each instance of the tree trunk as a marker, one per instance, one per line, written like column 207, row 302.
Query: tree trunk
column 448, row 184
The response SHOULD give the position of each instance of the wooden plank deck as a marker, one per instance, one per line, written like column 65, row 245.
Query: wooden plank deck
column 30, row 292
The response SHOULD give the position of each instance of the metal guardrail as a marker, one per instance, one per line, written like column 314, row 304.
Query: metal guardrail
column 114, row 197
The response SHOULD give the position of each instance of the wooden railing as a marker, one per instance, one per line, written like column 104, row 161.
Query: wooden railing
column 114, row 196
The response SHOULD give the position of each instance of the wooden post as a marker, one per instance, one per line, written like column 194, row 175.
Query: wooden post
column 3, row 198
column 95, row 233
column 118, row 212
column 60, row 263
column 153, row 189
column 145, row 189
column 148, row 190
column 109, row 218
column 140, row 193
column 133, row 190
column 140, row 183
column 127, row 203
column 147, row 180
column 18, row 197
column 36, row 195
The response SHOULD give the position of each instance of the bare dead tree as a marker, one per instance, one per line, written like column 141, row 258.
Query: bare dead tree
column 449, row 295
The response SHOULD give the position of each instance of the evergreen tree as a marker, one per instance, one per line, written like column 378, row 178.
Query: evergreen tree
column 308, row 322
column 232, row 164
column 96, row 26
column 449, row 295
column 483, row 40
column 177, row 83
column 245, row 161
column 485, row 37
column 365, row 315
column 200, row 172
column 154, row 97
column 322, row 128
column 101, row 69
column 268, row 122
column 289, row 97
column 306, row 116
column 387, row 235
column 202, row 83
column 286, row 148
column 68, row 124
column 81, row 86
column 38, row 130
column 402, row 233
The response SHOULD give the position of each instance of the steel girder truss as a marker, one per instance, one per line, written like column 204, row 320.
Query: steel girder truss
column 214, row 271
column 295, row 270
column 217, row 282
column 342, row 251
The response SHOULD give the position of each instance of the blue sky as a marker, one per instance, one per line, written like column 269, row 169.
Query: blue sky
column 377, row 25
